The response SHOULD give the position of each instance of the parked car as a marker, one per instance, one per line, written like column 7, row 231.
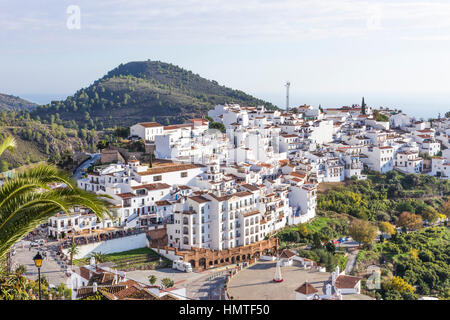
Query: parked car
column 34, row 244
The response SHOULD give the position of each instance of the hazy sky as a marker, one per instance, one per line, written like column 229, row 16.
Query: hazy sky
column 340, row 48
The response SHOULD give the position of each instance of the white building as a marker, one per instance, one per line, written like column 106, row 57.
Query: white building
column 146, row 130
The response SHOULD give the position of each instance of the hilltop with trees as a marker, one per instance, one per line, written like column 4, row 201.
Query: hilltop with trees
column 9, row 102
column 143, row 91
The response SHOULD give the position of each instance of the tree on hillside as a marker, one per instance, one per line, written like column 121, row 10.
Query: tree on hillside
column 409, row 220
column 399, row 285
column 430, row 214
column 387, row 228
column 217, row 125
column 362, row 231
column 446, row 208
column 4, row 166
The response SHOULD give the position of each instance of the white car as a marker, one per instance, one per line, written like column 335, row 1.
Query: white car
column 34, row 244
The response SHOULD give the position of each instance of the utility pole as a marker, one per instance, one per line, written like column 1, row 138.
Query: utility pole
column 287, row 85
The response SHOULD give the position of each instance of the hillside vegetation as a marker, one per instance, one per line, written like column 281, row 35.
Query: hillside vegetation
column 9, row 102
column 37, row 141
column 383, row 197
column 143, row 91
column 419, row 262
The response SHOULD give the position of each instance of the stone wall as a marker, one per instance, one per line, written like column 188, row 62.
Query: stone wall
column 201, row 259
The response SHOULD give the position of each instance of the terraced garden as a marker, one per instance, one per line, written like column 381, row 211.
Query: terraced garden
column 137, row 259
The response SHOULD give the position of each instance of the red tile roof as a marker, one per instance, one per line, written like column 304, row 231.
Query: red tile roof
column 150, row 124
column 346, row 282
column 306, row 289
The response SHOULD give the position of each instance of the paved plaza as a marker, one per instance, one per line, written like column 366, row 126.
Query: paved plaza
column 255, row 282
column 52, row 267
column 206, row 285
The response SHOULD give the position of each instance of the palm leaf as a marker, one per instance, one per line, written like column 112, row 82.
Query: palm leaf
column 8, row 144
column 32, row 197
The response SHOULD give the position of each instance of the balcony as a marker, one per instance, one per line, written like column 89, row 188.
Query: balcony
column 127, row 204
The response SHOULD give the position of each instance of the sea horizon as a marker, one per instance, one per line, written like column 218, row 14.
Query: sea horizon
column 415, row 105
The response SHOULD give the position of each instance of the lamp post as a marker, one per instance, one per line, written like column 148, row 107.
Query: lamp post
column 38, row 263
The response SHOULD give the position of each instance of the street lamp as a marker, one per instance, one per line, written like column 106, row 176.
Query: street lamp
column 38, row 263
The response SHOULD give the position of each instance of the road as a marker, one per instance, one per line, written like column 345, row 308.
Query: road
column 52, row 267
column 209, row 287
column 351, row 261
column 206, row 285
column 86, row 164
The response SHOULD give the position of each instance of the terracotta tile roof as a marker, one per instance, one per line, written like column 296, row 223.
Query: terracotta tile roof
column 346, row 282
column 195, row 120
column 199, row 199
column 251, row 213
column 150, row 124
column 296, row 174
column 250, row 187
column 178, row 126
column 152, row 186
column 125, row 195
column 162, row 203
column 306, row 289
column 104, row 278
column 174, row 168
column 286, row 254
column 229, row 196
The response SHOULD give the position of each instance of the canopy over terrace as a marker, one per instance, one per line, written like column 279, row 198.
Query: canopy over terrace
column 90, row 236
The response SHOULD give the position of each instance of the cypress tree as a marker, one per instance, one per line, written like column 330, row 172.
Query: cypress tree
column 363, row 106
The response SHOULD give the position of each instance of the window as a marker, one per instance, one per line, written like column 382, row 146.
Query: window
column 184, row 174
column 157, row 178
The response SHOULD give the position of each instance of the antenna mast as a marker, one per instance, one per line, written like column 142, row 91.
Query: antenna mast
column 288, row 84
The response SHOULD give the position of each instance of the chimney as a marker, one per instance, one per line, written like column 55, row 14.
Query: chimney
column 94, row 287
column 333, row 277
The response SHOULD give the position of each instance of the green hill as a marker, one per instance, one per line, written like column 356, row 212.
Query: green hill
column 143, row 91
column 8, row 102
column 37, row 141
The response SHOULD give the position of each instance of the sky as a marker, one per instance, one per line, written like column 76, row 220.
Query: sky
column 395, row 53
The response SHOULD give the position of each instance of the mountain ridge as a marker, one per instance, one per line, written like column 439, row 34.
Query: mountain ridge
column 11, row 102
column 144, row 91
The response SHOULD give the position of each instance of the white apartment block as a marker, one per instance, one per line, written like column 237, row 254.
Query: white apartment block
column 146, row 130
column 379, row 159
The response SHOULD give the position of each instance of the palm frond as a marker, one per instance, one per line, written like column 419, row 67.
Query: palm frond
column 31, row 198
column 8, row 144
